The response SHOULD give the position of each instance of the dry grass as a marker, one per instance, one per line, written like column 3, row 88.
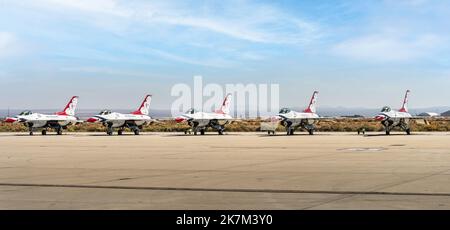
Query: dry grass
column 340, row 125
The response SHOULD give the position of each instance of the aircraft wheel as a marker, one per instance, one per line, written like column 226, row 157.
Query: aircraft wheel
column 388, row 133
column 59, row 131
column 109, row 133
column 202, row 132
column 220, row 132
column 136, row 132
column 291, row 132
column 120, row 132
column 311, row 132
column 44, row 132
column 408, row 131
column 31, row 133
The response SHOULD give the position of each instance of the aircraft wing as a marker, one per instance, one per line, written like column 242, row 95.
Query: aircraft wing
column 235, row 120
column 420, row 118
column 317, row 118
column 163, row 119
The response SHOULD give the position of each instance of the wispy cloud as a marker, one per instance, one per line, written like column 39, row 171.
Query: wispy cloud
column 109, row 7
column 209, row 63
column 8, row 44
column 225, row 31
column 383, row 48
column 103, row 71
column 413, row 3
column 243, row 20
column 299, row 44
column 396, row 31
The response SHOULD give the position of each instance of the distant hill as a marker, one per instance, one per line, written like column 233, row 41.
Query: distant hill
column 322, row 111
column 446, row 114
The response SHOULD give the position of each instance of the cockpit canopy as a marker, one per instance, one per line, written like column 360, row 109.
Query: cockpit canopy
column 284, row 111
column 386, row 109
column 191, row 111
column 25, row 113
column 105, row 112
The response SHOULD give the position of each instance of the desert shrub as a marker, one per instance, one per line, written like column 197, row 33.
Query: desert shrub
column 253, row 125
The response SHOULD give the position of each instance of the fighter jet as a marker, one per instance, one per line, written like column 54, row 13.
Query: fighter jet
column 135, row 120
column 307, row 119
column 57, row 121
column 200, row 121
column 392, row 118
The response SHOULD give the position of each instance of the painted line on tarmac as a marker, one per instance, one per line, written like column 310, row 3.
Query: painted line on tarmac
column 226, row 190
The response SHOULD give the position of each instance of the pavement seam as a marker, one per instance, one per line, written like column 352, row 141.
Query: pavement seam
column 226, row 190
column 343, row 197
column 394, row 184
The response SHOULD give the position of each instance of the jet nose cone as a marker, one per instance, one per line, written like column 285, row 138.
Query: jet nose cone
column 380, row 117
column 179, row 119
column 92, row 120
column 10, row 120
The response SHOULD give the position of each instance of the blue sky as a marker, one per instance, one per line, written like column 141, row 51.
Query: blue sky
column 112, row 52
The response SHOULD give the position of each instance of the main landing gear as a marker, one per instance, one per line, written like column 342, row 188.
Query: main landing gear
column 136, row 131
column 44, row 131
column 196, row 130
column 30, row 129
column 59, row 131
column 202, row 131
column 290, row 131
column 110, row 131
column 389, row 126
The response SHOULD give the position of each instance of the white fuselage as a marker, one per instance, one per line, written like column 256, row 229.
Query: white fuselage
column 393, row 117
column 202, row 119
column 117, row 120
column 38, row 120
column 296, row 119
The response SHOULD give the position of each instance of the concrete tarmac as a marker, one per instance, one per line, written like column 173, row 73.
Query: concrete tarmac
column 234, row 171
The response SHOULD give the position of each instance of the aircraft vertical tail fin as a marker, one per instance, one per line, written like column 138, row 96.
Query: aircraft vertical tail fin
column 226, row 104
column 405, row 102
column 145, row 106
column 312, row 104
column 69, row 110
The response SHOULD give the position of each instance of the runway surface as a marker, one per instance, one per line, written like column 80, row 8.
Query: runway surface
column 234, row 171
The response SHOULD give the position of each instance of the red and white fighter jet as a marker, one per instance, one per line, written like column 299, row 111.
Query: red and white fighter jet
column 397, row 118
column 200, row 121
column 306, row 119
column 135, row 120
column 57, row 121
